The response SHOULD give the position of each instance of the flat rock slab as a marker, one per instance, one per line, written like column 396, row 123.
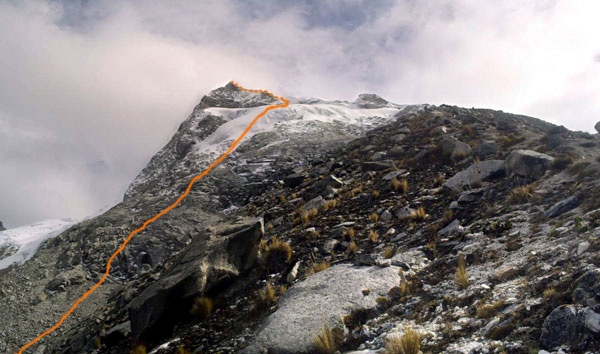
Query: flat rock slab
column 474, row 174
column 322, row 299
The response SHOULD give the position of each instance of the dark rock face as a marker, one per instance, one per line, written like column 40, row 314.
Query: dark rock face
column 2, row 228
column 211, row 259
column 597, row 127
column 572, row 326
column 560, row 327
column 587, row 289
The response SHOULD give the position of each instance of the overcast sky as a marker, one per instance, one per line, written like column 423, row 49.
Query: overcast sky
column 90, row 90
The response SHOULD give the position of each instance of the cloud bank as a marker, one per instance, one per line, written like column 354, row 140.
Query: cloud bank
column 90, row 90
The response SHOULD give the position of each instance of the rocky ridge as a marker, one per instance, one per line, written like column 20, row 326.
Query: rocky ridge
column 365, row 226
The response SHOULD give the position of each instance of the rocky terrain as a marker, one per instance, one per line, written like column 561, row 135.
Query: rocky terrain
column 336, row 226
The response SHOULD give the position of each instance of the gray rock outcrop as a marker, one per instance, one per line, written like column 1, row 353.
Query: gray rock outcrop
column 2, row 228
column 528, row 164
column 475, row 174
column 597, row 127
column 322, row 299
column 369, row 100
column 562, row 207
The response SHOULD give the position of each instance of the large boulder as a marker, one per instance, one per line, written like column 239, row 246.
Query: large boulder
column 528, row 164
column 321, row 300
column 2, row 228
column 454, row 149
column 216, row 256
column 475, row 174
column 597, row 127
column 570, row 325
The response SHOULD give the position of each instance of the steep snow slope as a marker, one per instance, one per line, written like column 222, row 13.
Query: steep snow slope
column 18, row 245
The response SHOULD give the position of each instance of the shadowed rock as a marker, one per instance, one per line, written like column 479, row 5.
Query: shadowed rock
column 211, row 259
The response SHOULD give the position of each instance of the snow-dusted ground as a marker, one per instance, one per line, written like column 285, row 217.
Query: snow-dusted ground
column 26, row 240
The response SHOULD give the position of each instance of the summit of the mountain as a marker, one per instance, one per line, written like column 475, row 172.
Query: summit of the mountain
column 230, row 96
column 348, row 221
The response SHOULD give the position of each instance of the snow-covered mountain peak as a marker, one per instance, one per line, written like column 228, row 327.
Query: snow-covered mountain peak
column 224, row 113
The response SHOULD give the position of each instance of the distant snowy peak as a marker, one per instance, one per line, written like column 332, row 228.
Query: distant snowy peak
column 18, row 245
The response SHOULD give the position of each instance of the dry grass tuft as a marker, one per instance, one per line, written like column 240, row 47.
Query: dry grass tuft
column 304, row 217
column 448, row 217
column 330, row 204
column 278, row 254
column 350, row 233
column 399, row 185
column 354, row 191
column 182, row 350
column 511, row 139
column 139, row 349
column 318, row 267
column 419, row 214
column 550, row 295
column 461, row 277
column 202, row 307
column 561, row 162
column 267, row 295
column 440, row 180
column 388, row 252
column 375, row 194
column 373, row 236
column 409, row 343
column 490, row 310
column 373, row 217
column 352, row 248
column 522, row 194
column 327, row 341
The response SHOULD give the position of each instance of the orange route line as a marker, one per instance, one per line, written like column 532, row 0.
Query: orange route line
column 163, row 212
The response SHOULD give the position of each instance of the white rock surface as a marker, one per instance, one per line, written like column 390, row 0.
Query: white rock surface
column 322, row 299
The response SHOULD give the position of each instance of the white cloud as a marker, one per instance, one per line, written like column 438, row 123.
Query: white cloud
column 97, row 87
